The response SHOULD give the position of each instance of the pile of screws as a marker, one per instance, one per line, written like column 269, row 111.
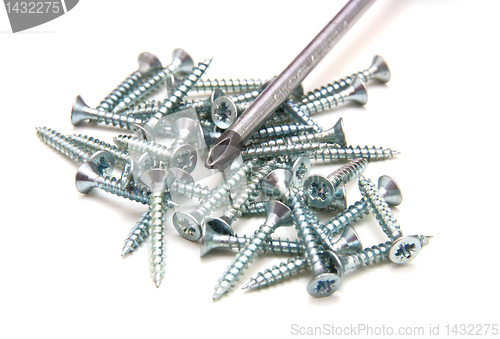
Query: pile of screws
column 274, row 165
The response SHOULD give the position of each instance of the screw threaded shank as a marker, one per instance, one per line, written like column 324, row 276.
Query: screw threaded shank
column 228, row 85
column 137, row 234
column 277, row 273
column 157, row 245
column 126, row 86
column 63, row 144
column 379, row 208
column 350, row 215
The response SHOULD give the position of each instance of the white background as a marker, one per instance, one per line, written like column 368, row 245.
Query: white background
column 61, row 271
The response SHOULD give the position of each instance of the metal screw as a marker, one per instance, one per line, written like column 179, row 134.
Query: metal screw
column 181, row 65
column 331, row 95
column 137, row 234
column 88, row 177
column 320, row 191
column 325, row 279
column 82, row 112
column 213, row 238
column 404, row 248
column 157, row 180
column 320, row 99
column 94, row 144
column 356, row 91
column 297, row 265
column 334, row 135
column 103, row 160
column 148, row 63
column 318, row 151
column 278, row 214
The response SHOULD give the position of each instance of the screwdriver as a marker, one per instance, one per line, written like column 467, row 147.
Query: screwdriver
column 229, row 144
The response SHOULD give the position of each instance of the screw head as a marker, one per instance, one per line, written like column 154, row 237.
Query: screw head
column 184, row 157
column 104, row 162
column 187, row 226
column 218, row 225
column 319, row 191
column 336, row 135
column 157, row 179
column 224, row 112
column 358, row 91
column 208, row 236
column 405, row 249
column 187, row 129
column 326, row 283
column 349, row 242
column 183, row 61
column 379, row 69
column 86, row 177
column 80, row 111
column 278, row 213
column 148, row 62
column 276, row 182
column 390, row 190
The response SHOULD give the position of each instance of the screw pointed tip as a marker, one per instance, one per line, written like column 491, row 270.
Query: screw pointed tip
column 218, row 293
column 246, row 286
column 157, row 283
column 126, row 250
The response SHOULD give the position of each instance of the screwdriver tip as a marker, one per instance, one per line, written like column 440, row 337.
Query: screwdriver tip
column 224, row 151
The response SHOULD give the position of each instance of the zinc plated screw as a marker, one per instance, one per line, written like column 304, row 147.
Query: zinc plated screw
column 278, row 214
column 319, row 151
column 137, row 234
column 277, row 274
column 356, row 91
column 158, row 181
column 213, row 238
column 97, row 145
column 103, row 160
column 181, row 65
column 188, row 224
column 147, row 129
column 322, row 99
column 88, row 177
column 404, row 248
column 82, row 112
column 334, row 135
column 148, row 63
column 325, row 279
column 321, row 191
